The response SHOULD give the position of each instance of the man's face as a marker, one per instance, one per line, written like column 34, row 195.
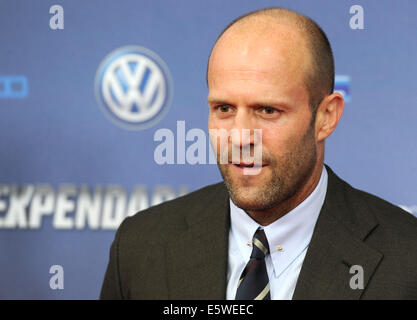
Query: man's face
column 256, row 81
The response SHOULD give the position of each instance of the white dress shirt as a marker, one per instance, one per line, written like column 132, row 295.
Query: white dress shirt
column 288, row 239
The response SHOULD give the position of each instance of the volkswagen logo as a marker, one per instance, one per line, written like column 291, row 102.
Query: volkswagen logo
column 134, row 87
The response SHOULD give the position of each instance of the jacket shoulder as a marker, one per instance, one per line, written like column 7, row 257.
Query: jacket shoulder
column 360, row 209
column 395, row 237
column 173, row 213
column 390, row 216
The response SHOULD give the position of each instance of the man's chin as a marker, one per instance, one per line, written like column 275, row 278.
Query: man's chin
column 248, row 201
column 252, row 204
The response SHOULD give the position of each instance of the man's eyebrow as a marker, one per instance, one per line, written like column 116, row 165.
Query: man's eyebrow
column 216, row 101
column 259, row 103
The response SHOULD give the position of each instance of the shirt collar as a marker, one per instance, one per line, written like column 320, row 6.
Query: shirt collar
column 288, row 236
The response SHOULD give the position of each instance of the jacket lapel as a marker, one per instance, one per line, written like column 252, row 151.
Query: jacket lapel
column 337, row 245
column 197, row 260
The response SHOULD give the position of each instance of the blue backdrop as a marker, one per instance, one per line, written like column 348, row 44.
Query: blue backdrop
column 69, row 172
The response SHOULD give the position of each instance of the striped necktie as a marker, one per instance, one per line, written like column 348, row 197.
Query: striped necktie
column 254, row 283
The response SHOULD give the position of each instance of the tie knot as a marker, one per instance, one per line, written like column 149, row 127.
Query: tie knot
column 260, row 247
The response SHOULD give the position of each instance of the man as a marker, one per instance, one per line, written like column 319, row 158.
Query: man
column 294, row 230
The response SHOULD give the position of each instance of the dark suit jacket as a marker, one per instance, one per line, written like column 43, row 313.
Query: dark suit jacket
column 179, row 249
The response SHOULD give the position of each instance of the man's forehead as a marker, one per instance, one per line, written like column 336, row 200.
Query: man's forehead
column 273, row 81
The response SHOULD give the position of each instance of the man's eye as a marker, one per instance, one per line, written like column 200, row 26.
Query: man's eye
column 223, row 108
column 268, row 110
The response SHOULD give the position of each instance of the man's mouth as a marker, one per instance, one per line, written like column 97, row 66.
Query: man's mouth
column 252, row 164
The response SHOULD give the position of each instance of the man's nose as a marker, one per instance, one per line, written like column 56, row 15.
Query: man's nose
column 242, row 134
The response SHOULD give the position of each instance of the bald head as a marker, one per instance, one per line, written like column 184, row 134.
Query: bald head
column 296, row 40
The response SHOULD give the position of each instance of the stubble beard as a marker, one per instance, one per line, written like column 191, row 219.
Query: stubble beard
column 285, row 178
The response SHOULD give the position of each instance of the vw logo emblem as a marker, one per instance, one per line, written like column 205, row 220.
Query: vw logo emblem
column 134, row 87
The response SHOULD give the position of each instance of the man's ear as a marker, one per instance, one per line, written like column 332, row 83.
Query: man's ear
column 328, row 115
